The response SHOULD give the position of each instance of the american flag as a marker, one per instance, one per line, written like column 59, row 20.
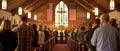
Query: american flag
column 72, row 11
column 49, row 11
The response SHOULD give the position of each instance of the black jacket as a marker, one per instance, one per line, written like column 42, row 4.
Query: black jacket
column 8, row 40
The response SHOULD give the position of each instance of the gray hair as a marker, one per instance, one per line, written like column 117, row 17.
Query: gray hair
column 105, row 17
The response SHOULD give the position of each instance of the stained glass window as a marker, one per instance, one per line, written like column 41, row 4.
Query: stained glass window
column 61, row 14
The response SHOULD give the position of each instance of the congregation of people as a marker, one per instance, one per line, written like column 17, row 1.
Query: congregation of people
column 101, row 35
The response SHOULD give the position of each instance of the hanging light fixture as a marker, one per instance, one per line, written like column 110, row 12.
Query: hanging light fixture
column 29, row 14
column 20, row 11
column 112, row 4
column 96, row 11
column 35, row 17
column 4, row 4
column 88, row 15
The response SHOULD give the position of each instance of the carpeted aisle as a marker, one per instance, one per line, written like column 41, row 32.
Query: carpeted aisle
column 61, row 47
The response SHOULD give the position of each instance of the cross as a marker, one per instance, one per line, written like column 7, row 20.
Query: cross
column 61, row 11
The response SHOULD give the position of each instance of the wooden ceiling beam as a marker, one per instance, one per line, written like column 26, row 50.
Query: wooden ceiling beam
column 102, row 9
column 84, row 6
column 34, row 10
column 35, row 7
column 38, row 6
column 24, row 5
column 118, row 1
column 93, row 6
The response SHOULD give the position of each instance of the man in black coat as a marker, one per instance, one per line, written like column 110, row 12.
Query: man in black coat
column 8, row 40
column 90, row 32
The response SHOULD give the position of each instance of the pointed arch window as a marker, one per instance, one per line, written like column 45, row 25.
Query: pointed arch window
column 61, row 14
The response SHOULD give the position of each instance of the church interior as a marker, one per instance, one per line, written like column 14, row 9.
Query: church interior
column 59, row 14
column 46, row 11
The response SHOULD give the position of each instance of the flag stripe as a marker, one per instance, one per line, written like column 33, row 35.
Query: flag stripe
column 72, row 11
column 49, row 11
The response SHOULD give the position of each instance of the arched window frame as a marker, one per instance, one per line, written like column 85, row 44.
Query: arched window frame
column 61, row 14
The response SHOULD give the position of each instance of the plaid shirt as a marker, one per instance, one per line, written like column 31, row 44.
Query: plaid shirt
column 25, row 38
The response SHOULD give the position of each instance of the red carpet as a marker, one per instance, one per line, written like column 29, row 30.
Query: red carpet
column 61, row 47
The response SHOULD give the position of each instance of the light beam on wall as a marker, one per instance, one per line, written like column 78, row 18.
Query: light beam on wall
column 88, row 15
column 96, row 11
column 35, row 17
column 20, row 11
column 4, row 4
column 112, row 4
column 29, row 14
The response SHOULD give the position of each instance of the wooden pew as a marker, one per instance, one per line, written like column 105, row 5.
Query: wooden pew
column 76, row 46
column 48, row 46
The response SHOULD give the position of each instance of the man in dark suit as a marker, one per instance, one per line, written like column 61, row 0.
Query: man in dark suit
column 56, row 35
column 8, row 39
column 90, row 32
column 46, row 34
column 61, row 37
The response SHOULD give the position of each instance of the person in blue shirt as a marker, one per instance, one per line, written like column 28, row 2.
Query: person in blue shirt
column 46, row 34
column 104, row 37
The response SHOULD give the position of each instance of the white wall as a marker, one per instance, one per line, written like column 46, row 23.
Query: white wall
column 115, row 14
column 8, row 15
column 16, row 18
column 5, row 15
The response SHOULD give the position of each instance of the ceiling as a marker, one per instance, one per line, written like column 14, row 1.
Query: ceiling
column 32, row 5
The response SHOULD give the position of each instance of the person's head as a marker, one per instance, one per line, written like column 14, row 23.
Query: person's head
column 89, row 26
column 104, row 18
column 40, row 28
column 49, row 29
column 82, row 28
column 5, row 25
column 113, row 22
column 45, row 27
column 34, row 26
column 24, row 19
column 97, row 21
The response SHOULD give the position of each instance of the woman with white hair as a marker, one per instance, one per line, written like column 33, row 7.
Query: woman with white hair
column 8, row 39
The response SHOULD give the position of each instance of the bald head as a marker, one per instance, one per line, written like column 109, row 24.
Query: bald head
column 105, row 18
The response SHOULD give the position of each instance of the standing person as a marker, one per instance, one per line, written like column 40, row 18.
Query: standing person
column 66, row 35
column 46, row 34
column 81, row 35
column 50, row 33
column 89, row 26
column 61, row 37
column 35, row 36
column 90, row 32
column 41, row 36
column 8, row 39
column 56, row 35
column 66, row 32
column 114, row 24
column 74, row 34
column 25, row 36
column 104, row 37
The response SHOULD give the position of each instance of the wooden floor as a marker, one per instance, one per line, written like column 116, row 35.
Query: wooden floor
column 61, row 47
